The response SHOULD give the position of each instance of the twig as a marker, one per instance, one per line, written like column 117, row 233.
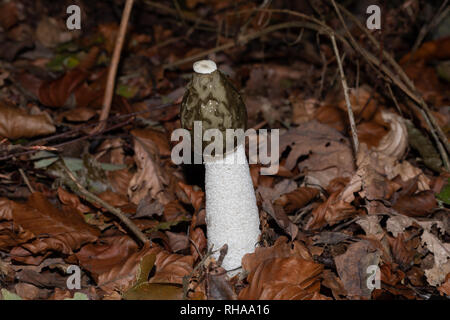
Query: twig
column 25, row 178
column 110, row 82
column 394, row 99
column 347, row 98
column 92, row 198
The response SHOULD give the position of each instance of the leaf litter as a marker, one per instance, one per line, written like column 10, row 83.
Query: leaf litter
column 327, row 216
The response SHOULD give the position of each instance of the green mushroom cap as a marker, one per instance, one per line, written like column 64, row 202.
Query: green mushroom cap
column 213, row 100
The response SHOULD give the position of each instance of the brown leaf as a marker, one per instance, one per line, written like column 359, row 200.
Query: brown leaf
column 72, row 200
column 352, row 267
column 403, row 251
column 57, row 92
column 171, row 268
column 290, row 278
column 9, row 14
column 177, row 241
column 297, row 199
column 219, row 286
column 332, row 116
column 329, row 153
column 444, row 288
column 150, row 176
column 198, row 238
column 16, row 123
column 282, row 248
column 331, row 281
column 363, row 101
column 56, row 230
column 281, row 218
column 157, row 137
column 330, row 212
column 420, row 204
column 195, row 195
column 114, row 262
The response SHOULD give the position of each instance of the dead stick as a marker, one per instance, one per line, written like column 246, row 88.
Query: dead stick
column 109, row 91
column 92, row 198
column 347, row 98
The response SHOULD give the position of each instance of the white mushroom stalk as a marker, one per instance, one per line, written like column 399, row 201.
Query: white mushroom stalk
column 231, row 212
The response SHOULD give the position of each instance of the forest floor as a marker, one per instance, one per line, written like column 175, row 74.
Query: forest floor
column 362, row 191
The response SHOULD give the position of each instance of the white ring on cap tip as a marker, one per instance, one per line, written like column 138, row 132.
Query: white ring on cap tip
column 205, row 66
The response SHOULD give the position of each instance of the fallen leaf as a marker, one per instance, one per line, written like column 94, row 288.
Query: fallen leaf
column 150, row 176
column 297, row 199
column 52, row 229
column 282, row 248
column 290, row 278
column 352, row 268
column 16, row 123
column 329, row 154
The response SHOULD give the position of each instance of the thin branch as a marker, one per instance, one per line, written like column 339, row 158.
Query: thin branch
column 25, row 178
column 110, row 82
column 347, row 98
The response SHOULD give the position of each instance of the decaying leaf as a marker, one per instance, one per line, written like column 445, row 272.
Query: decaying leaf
column 16, row 123
column 352, row 268
column 291, row 278
column 328, row 153
column 441, row 251
column 48, row 227
column 150, row 177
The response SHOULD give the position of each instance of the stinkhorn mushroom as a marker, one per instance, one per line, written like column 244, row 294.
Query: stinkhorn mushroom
column 231, row 212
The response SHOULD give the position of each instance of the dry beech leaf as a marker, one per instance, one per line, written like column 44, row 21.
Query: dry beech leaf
column 441, row 251
column 195, row 195
column 55, row 230
column 417, row 205
column 373, row 179
column 363, row 101
column 9, row 14
column 114, row 261
column 16, row 123
column 219, row 286
column 177, row 241
column 281, row 218
column 370, row 133
column 282, row 248
column 198, row 238
column 111, row 151
column 444, row 288
column 332, row 211
column 291, row 278
column 329, row 153
column 332, row 116
column 352, row 268
column 72, row 200
column 171, row 268
column 150, row 176
column 331, row 281
column 297, row 199
column 56, row 93
column 395, row 142
column 403, row 251
column 158, row 137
